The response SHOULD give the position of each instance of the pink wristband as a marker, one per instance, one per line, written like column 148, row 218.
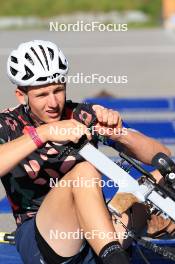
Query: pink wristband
column 34, row 135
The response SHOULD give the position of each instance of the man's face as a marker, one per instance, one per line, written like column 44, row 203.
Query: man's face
column 47, row 101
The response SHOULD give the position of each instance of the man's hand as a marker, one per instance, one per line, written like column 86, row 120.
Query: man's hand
column 61, row 131
column 109, row 122
column 134, row 144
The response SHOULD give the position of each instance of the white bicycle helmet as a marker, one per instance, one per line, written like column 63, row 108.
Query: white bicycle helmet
column 35, row 63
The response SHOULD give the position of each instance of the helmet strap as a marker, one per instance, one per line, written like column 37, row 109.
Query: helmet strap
column 26, row 99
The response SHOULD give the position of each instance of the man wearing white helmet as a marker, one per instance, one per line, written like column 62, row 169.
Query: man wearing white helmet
column 29, row 159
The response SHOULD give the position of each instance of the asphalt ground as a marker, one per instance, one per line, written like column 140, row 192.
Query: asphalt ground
column 146, row 57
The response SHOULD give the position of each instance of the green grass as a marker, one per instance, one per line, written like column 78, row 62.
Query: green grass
column 47, row 8
column 149, row 24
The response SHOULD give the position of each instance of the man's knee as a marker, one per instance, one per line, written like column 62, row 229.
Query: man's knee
column 86, row 170
column 82, row 175
column 85, row 178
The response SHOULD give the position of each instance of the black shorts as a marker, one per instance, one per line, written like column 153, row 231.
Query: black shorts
column 34, row 249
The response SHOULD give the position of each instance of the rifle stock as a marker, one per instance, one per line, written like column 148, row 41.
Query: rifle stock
column 121, row 202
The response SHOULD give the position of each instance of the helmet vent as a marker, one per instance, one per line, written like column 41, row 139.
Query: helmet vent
column 51, row 53
column 37, row 57
column 29, row 58
column 13, row 71
column 44, row 54
column 14, row 59
column 29, row 74
column 61, row 65
column 42, row 79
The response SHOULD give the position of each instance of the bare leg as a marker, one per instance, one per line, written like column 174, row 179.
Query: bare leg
column 67, row 209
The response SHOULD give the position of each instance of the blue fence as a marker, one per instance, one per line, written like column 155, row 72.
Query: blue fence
column 135, row 104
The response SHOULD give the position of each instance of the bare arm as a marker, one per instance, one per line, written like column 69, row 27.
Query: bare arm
column 140, row 146
column 134, row 143
column 16, row 150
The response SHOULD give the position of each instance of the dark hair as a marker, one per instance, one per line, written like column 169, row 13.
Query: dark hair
column 23, row 89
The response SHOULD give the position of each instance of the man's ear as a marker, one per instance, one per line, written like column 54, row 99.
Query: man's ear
column 21, row 96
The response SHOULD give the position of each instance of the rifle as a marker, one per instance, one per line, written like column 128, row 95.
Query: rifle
column 145, row 190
